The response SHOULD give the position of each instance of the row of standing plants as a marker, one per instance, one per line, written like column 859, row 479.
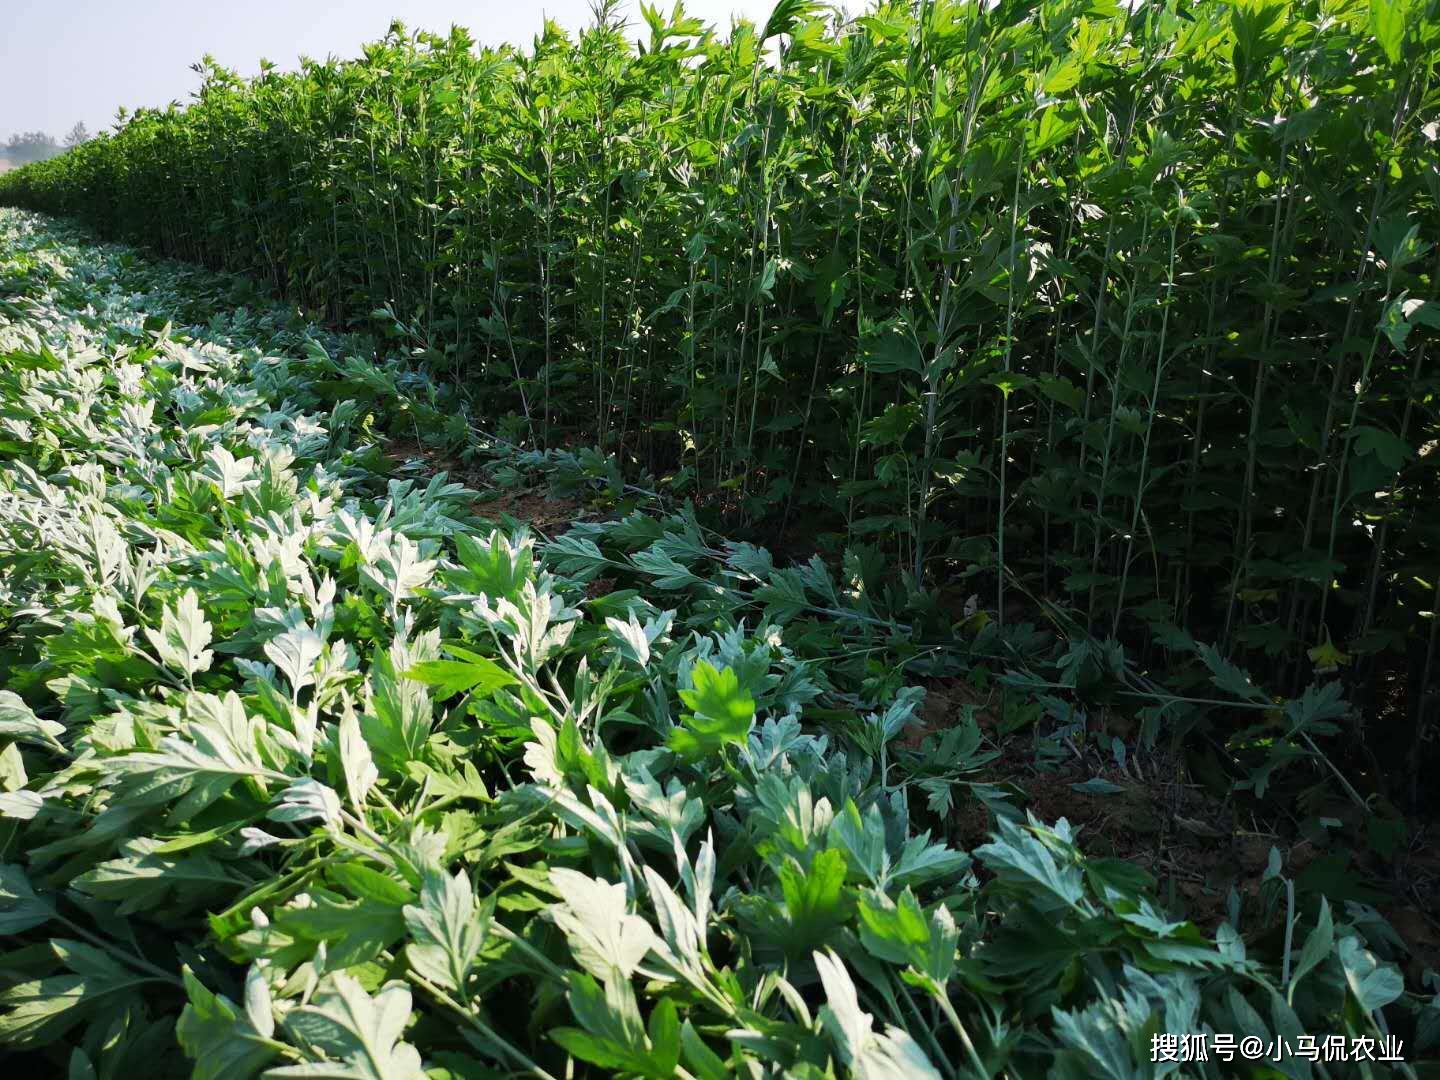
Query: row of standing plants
column 309, row 770
column 1128, row 310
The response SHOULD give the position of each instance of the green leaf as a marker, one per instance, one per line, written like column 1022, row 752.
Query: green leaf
column 721, row 714
column 450, row 677
column 630, row 639
column 863, row 840
column 1317, row 947
column 142, row 878
column 307, row 799
column 1018, row 855
column 229, row 475
column 18, row 721
column 921, row 862
column 356, row 761
column 614, row 1037
column 892, row 425
column 668, row 573
column 42, row 359
column 1102, row 1038
column 634, row 639
column 1053, row 129
column 847, row 1025
column 1374, row 984
column 1097, row 786
column 217, row 750
column 370, row 884
column 607, row 941
column 901, row 933
column 784, row 17
column 891, row 349
column 357, row 1036
column 703, row 1062
column 39, row 1011
column 1228, row 677
column 870, row 1055
column 398, row 713
column 1326, row 656
column 353, row 931
column 448, row 930
column 496, row 567
column 816, row 900
column 1392, row 452
column 184, row 632
column 665, row 1038
column 13, row 779
column 1060, row 389
column 597, row 1051
column 1063, row 75
column 223, row 1040
column 295, row 653
column 80, row 1066
column 1387, row 23
column 21, row 908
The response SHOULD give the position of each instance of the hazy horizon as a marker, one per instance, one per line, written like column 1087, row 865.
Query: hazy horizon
column 82, row 61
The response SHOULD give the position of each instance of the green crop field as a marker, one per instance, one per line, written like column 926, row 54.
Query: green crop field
column 904, row 544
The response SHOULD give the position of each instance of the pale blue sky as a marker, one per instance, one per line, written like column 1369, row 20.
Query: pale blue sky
column 68, row 60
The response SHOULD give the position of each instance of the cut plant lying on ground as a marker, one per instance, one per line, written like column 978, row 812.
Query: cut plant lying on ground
column 311, row 770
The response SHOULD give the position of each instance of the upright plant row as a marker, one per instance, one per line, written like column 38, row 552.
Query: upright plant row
column 306, row 770
column 1131, row 308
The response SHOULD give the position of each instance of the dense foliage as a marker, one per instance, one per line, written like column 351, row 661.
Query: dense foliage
column 1131, row 307
column 1072, row 337
column 309, row 769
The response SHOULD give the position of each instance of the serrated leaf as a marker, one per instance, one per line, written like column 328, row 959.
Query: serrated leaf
column 604, row 937
column 721, row 714
column 216, row 751
column 354, row 1036
column 356, row 761
column 184, row 632
column 1228, row 677
column 225, row 1041
column 631, row 639
column 229, row 474
column 816, row 900
column 18, row 721
column 495, row 567
column 1018, row 855
column 36, row 1012
column 295, row 654
column 142, row 877
column 870, row 1055
column 892, row 349
column 307, row 799
column 921, row 862
column 448, row 929
column 1391, row 451
column 901, row 933
column 476, row 674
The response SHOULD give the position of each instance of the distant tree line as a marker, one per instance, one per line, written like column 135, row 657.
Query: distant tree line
column 23, row 148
